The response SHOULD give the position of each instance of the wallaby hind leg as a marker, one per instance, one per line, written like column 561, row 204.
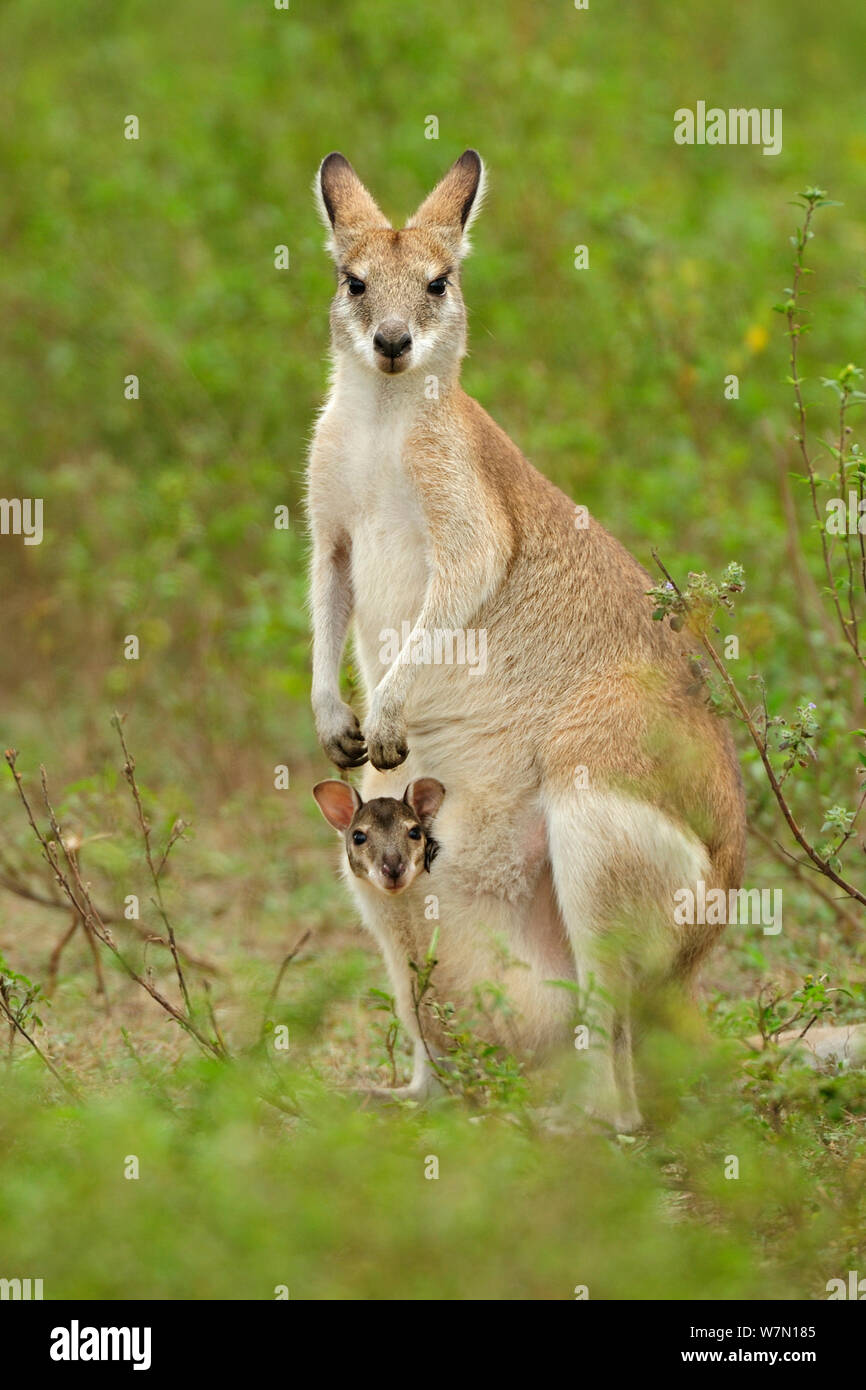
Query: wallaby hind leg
column 629, row 1115
column 616, row 863
column 608, row 1083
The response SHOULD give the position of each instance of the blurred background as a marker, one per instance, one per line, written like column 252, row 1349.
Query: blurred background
column 155, row 257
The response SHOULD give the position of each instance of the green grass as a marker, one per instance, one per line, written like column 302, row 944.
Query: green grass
column 155, row 257
column 233, row 1198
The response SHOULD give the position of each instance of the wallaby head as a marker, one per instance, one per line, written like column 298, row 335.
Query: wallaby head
column 388, row 842
column 398, row 305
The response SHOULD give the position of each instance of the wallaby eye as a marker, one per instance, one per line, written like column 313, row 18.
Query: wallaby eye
column 438, row 287
column 355, row 285
column 359, row 837
column 415, row 832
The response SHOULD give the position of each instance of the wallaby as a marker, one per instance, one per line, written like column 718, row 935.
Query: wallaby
column 388, row 844
column 588, row 778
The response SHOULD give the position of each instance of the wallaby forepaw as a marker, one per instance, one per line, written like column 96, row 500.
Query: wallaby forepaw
column 385, row 756
column 387, row 746
column 341, row 738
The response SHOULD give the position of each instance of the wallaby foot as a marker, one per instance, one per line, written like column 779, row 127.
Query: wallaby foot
column 621, row 1120
column 418, row 1091
column 424, row 1084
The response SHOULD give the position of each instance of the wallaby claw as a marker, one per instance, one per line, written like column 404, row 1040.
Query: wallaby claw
column 385, row 756
column 346, row 753
column 343, row 741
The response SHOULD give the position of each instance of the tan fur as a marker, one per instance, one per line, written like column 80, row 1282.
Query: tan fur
column 423, row 510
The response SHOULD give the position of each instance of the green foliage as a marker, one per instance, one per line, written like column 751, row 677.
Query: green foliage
column 235, row 1197
column 19, row 999
column 157, row 257
column 700, row 599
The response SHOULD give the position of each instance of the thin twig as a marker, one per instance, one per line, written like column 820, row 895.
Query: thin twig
column 213, row 1018
column 795, row 329
column 22, row 890
column 786, row 857
column 763, row 752
column 85, row 909
column 19, row 1027
column 286, row 962
column 129, row 774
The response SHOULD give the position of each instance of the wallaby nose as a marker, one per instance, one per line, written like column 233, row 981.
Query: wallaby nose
column 392, row 866
column 392, row 338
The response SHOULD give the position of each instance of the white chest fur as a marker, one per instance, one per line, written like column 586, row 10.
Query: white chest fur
column 382, row 514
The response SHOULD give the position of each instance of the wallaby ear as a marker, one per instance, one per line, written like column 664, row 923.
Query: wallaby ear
column 425, row 795
column 345, row 206
column 454, row 203
column 338, row 803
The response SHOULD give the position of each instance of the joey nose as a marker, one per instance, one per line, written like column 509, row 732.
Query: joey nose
column 392, row 866
column 392, row 338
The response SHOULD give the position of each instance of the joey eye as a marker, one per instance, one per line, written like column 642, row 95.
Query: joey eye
column 358, row 837
column 355, row 285
column 415, row 833
column 438, row 287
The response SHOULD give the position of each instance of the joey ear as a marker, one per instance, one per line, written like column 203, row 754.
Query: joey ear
column 454, row 203
column 425, row 795
column 345, row 206
column 338, row 802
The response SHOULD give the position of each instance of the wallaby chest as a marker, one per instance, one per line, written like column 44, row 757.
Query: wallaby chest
column 380, row 510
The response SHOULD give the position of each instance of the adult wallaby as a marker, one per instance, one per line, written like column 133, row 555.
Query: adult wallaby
column 588, row 779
